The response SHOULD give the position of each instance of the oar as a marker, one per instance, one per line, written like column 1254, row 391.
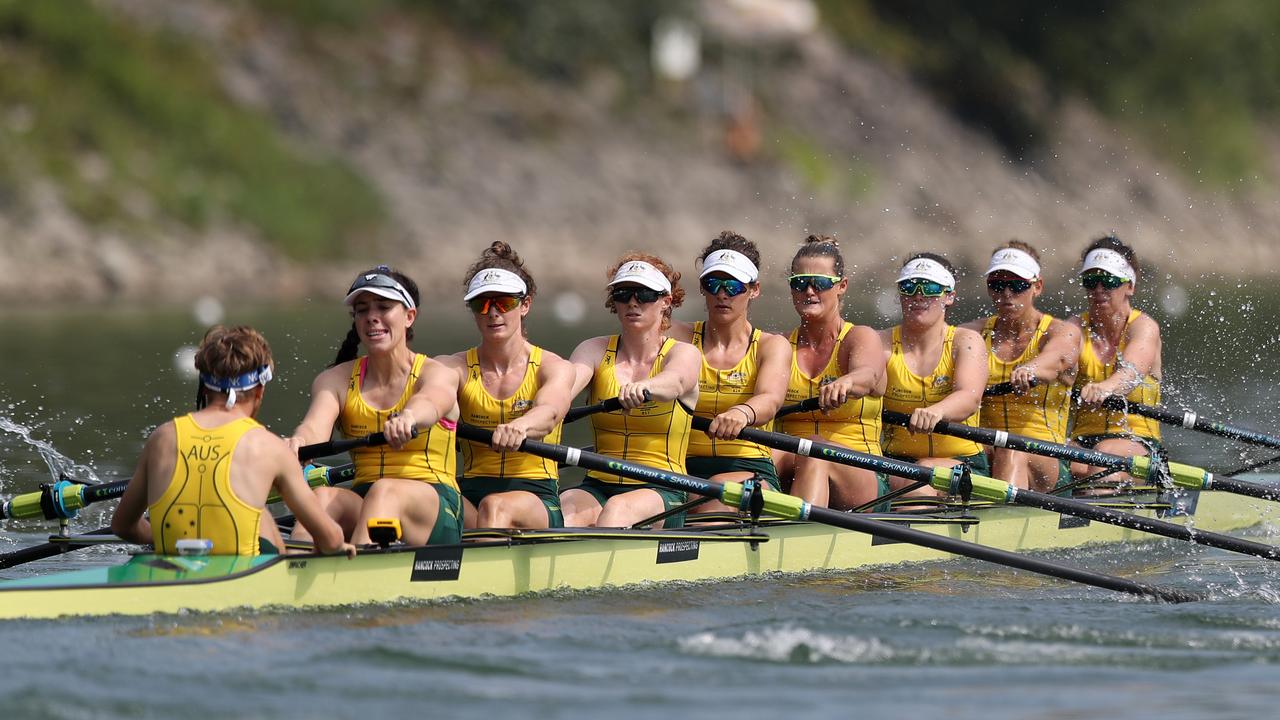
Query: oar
column 613, row 404
column 334, row 447
column 1190, row 420
column 316, row 476
column 793, row 508
column 811, row 404
column 1189, row 477
column 948, row 479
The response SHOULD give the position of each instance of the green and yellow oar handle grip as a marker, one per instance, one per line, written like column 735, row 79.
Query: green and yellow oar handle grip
column 63, row 500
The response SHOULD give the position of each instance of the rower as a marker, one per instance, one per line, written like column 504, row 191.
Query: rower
column 395, row 391
column 1034, row 353
column 655, row 377
column 744, row 371
column 514, row 388
column 841, row 363
column 935, row 371
column 204, row 478
column 1120, row 357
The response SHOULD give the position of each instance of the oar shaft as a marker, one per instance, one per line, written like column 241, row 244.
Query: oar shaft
column 574, row 414
column 1243, row 487
column 1193, row 421
column 46, row 550
column 793, row 508
column 334, row 447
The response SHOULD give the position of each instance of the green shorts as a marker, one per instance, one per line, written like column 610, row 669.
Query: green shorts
column 448, row 527
column 266, row 547
column 705, row 467
column 475, row 489
column 602, row 491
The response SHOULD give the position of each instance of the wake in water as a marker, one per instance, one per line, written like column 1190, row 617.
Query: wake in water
column 59, row 465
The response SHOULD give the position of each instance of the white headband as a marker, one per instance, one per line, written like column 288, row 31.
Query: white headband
column 641, row 272
column 495, row 280
column 732, row 263
column 928, row 270
column 1111, row 261
column 1016, row 261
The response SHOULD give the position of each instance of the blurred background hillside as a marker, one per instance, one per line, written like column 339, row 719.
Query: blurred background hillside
column 265, row 150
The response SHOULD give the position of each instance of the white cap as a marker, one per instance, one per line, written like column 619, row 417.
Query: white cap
column 495, row 280
column 928, row 270
column 382, row 285
column 1016, row 261
column 641, row 272
column 1110, row 261
column 732, row 263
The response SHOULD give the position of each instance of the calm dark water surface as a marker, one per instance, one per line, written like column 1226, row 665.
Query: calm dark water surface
column 957, row 639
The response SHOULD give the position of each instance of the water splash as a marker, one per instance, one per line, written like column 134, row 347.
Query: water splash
column 59, row 465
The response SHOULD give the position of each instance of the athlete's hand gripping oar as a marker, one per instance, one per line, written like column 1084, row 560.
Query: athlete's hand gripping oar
column 1188, row 477
column 793, row 508
column 1000, row 491
column 1190, row 420
column 613, row 404
column 334, row 447
column 812, row 404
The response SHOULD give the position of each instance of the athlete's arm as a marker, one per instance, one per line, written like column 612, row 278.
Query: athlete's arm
column 555, row 381
column 1059, row 355
column 862, row 361
column 434, row 398
column 297, row 495
column 129, row 521
column 1140, row 357
column 678, row 380
column 769, row 393
column 584, row 360
column 969, row 355
column 328, row 391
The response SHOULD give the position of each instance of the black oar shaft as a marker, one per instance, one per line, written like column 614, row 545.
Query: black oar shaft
column 45, row 550
column 1242, row 487
column 333, row 447
column 1193, row 421
column 574, row 414
column 792, row 508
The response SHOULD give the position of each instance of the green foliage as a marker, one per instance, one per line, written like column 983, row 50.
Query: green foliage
column 127, row 120
column 1195, row 78
column 816, row 167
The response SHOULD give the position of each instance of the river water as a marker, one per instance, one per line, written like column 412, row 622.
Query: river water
column 79, row 390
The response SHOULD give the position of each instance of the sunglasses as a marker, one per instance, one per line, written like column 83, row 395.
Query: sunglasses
column 504, row 303
column 645, row 296
column 1105, row 279
column 820, row 283
column 1017, row 286
column 927, row 288
column 731, row 287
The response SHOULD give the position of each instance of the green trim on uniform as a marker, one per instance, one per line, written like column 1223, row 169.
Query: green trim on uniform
column 602, row 491
column 705, row 467
column 448, row 527
column 476, row 489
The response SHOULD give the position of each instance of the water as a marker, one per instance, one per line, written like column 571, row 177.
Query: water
column 959, row 638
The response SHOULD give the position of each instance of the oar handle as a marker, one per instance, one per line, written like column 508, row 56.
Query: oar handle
column 613, row 404
column 806, row 405
column 335, row 447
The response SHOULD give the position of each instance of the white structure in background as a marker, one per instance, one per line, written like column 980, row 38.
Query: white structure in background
column 184, row 361
column 208, row 310
column 677, row 48
column 569, row 307
column 760, row 20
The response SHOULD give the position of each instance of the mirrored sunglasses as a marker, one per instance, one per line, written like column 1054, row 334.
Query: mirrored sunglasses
column 1094, row 279
column 645, row 296
column 731, row 286
column 927, row 288
column 1017, row 286
column 504, row 303
column 820, row 283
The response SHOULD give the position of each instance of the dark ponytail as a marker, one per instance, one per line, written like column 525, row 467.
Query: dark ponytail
column 350, row 347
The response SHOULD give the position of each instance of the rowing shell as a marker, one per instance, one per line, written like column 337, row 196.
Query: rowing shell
column 509, row 563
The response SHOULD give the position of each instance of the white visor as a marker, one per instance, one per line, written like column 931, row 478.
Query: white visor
column 732, row 263
column 928, row 270
column 1016, row 261
column 642, row 273
column 495, row 280
column 1110, row 261
column 382, row 285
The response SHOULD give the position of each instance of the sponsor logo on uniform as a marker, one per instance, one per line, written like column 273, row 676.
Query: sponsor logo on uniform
column 521, row 405
column 737, row 377
column 941, row 380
